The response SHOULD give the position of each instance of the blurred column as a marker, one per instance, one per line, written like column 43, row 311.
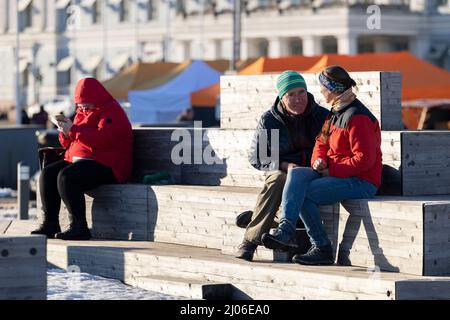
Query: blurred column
column 245, row 49
column 347, row 44
column 311, row 45
column 3, row 16
column 278, row 47
column 237, row 24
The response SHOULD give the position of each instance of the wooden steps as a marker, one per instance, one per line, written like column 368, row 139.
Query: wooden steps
column 23, row 268
column 128, row 261
column 405, row 234
column 193, row 289
column 192, row 221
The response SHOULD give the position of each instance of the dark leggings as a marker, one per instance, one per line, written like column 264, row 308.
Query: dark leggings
column 68, row 181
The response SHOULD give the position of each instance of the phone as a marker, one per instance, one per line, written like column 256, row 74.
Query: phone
column 60, row 117
column 57, row 119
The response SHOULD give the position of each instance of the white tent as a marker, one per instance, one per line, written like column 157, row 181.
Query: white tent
column 164, row 103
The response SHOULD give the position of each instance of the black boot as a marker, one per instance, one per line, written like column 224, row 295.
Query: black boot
column 283, row 238
column 48, row 229
column 76, row 231
column 243, row 219
column 246, row 250
column 316, row 256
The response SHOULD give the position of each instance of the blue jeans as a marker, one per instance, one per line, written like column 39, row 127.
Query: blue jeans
column 305, row 190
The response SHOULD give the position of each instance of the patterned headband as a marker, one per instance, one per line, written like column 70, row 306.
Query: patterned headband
column 330, row 84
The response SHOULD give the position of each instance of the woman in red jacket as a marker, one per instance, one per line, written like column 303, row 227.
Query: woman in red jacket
column 346, row 164
column 98, row 151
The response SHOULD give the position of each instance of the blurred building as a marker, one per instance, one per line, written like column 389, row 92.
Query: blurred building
column 63, row 40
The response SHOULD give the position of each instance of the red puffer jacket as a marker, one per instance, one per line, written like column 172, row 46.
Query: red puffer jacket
column 103, row 134
column 354, row 145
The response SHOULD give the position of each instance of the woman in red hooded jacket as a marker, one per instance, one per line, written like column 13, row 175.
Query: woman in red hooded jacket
column 98, row 151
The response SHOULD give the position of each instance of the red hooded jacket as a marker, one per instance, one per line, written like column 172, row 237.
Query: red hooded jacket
column 103, row 134
column 354, row 145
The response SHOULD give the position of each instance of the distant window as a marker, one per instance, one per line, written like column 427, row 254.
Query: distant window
column 66, row 77
column 124, row 11
column 97, row 12
column 329, row 45
column 401, row 45
column 28, row 15
column 152, row 10
column 263, row 48
column 296, row 47
column 63, row 17
column 24, row 78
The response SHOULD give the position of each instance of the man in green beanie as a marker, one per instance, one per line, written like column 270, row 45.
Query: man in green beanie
column 298, row 119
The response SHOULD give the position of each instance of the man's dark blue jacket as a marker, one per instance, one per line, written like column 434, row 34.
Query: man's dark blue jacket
column 297, row 135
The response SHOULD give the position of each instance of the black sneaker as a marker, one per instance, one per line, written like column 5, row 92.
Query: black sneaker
column 48, row 229
column 344, row 258
column 316, row 256
column 243, row 219
column 246, row 250
column 75, row 232
column 283, row 239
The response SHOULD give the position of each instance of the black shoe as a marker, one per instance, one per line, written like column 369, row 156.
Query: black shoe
column 75, row 232
column 246, row 250
column 48, row 229
column 344, row 258
column 243, row 219
column 316, row 256
column 283, row 238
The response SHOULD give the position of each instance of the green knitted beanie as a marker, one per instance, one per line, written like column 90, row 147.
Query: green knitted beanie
column 289, row 80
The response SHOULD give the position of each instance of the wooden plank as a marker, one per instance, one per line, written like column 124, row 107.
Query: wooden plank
column 409, row 236
column 244, row 98
column 21, row 227
column 360, row 244
column 423, row 155
column 23, row 268
column 390, row 96
column 426, row 162
column 188, row 288
column 203, row 216
column 231, row 147
column 113, row 212
column 437, row 239
column 437, row 289
column 4, row 226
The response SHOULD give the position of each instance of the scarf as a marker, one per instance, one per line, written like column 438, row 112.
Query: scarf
column 344, row 99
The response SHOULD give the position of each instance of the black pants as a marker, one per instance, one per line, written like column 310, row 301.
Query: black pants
column 68, row 181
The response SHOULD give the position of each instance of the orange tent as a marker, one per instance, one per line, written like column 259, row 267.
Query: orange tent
column 207, row 97
column 420, row 79
column 219, row 65
column 266, row 65
column 141, row 76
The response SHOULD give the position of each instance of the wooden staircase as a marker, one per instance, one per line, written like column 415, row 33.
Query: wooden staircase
column 181, row 238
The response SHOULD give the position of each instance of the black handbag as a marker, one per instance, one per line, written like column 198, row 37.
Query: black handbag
column 49, row 155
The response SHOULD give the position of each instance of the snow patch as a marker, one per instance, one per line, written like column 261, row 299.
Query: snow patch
column 63, row 285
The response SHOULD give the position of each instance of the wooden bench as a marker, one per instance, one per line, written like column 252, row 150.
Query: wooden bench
column 406, row 234
column 23, row 268
column 411, row 159
column 243, row 99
